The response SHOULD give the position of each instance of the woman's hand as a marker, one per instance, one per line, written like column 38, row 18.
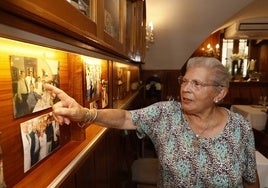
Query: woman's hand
column 67, row 109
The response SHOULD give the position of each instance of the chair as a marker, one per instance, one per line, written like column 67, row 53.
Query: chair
column 145, row 172
column 145, row 169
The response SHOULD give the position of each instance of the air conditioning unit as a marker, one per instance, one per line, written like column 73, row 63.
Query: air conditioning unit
column 256, row 28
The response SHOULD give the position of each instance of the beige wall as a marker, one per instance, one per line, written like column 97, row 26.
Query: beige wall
column 182, row 25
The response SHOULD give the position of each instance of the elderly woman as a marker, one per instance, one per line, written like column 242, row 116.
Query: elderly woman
column 199, row 144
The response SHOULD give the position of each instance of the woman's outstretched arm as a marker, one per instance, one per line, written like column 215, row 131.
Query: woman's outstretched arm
column 67, row 110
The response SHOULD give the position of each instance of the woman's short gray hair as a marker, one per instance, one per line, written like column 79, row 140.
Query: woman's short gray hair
column 220, row 74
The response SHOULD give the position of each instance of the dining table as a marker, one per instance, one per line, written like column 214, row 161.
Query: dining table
column 255, row 114
column 262, row 168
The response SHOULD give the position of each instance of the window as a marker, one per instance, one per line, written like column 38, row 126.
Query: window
column 228, row 48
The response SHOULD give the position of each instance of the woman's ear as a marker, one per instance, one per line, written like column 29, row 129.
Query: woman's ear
column 222, row 92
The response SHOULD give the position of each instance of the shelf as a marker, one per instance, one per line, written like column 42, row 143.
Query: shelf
column 124, row 103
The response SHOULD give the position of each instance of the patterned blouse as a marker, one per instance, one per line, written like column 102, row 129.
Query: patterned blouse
column 220, row 161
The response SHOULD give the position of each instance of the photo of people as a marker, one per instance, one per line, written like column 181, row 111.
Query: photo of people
column 96, row 82
column 28, row 76
column 40, row 136
column 93, row 80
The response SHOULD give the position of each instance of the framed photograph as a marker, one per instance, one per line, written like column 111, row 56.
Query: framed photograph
column 93, row 80
column 96, row 82
column 40, row 137
column 28, row 77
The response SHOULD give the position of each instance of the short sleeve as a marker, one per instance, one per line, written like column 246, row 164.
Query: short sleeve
column 154, row 118
column 145, row 119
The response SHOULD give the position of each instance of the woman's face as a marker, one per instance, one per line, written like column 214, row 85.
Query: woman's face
column 197, row 90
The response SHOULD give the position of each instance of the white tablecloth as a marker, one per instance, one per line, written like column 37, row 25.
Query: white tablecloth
column 253, row 114
column 262, row 168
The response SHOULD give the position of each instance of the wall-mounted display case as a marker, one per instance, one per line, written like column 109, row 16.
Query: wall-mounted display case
column 93, row 81
column 114, row 26
column 75, row 39
column 126, row 81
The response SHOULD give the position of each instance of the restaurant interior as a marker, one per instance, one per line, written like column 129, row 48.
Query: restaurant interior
column 123, row 54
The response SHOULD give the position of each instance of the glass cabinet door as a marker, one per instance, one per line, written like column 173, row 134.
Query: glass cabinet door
column 86, row 7
column 112, row 17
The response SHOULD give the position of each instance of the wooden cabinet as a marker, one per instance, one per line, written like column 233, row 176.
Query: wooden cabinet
column 119, row 33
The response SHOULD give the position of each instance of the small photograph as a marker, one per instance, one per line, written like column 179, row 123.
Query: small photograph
column 104, row 97
column 93, row 80
column 28, row 77
column 40, row 137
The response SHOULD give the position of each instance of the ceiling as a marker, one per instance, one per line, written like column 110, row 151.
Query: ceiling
column 180, row 26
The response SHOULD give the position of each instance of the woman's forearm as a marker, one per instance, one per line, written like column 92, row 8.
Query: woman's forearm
column 114, row 118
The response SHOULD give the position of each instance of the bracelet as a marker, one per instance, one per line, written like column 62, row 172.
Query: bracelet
column 90, row 116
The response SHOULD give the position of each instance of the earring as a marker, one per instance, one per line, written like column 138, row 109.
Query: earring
column 216, row 101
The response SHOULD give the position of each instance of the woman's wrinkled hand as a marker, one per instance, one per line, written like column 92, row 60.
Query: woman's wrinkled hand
column 67, row 109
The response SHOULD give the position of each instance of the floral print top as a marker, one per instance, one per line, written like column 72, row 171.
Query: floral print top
column 221, row 161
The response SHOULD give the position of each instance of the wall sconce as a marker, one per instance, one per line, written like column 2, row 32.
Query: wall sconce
column 149, row 34
column 211, row 52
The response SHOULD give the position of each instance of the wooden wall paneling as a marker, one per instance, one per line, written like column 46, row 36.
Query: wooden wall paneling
column 115, row 160
column 10, row 138
column 235, row 94
column 256, row 92
column 226, row 102
column 76, row 77
column 264, row 91
column 172, row 85
column 70, row 182
column 77, row 90
column 245, row 95
column 148, row 73
column 169, row 81
column 262, row 61
column 101, row 165
column 85, row 175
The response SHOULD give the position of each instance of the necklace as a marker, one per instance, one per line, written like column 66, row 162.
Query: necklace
column 196, row 141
